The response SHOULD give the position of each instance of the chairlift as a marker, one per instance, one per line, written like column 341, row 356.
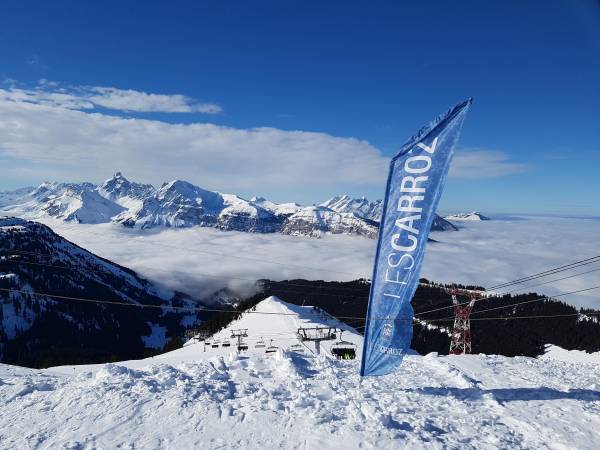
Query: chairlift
column 215, row 344
column 242, row 346
column 207, row 343
column 343, row 349
column 298, row 348
column 271, row 348
column 260, row 343
column 226, row 344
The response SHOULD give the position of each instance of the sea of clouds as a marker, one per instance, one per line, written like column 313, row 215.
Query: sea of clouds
column 200, row 261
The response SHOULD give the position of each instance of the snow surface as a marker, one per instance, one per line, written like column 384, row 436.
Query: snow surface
column 191, row 399
column 576, row 356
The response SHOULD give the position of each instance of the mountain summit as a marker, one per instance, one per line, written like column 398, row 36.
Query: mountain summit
column 124, row 192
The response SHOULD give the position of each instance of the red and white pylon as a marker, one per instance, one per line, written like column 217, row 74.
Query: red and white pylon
column 461, row 333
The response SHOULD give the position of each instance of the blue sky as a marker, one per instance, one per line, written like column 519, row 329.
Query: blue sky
column 373, row 71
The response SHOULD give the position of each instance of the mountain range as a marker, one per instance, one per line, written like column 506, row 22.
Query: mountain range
column 180, row 204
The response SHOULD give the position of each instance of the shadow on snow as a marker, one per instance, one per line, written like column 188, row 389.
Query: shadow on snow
column 502, row 395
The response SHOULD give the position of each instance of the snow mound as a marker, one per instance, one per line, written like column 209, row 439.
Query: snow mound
column 302, row 401
column 578, row 356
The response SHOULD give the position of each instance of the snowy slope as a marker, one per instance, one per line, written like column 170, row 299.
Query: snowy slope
column 71, row 202
column 362, row 207
column 318, row 220
column 276, row 322
column 576, row 356
column 292, row 401
column 192, row 398
column 14, row 197
column 472, row 216
column 128, row 194
column 280, row 209
column 35, row 259
column 180, row 204
column 272, row 321
column 82, row 206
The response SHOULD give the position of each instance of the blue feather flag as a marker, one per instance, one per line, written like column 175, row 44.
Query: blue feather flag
column 414, row 187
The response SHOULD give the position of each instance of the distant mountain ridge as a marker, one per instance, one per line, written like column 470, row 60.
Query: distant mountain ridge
column 179, row 204
column 472, row 216
column 362, row 207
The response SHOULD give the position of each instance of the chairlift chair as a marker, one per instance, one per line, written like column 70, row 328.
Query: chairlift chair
column 343, row 349
column 298, row 348
column 215, row 344
column 242, row 346
column 226, row 344
column 271, row 348
column 260, row 343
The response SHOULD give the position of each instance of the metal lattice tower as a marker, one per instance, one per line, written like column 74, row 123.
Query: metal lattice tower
column 461, row 333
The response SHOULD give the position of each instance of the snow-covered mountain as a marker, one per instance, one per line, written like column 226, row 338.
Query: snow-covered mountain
column 472, row 216
column 36, row 263
column 279, row 209
column 179, row 204
column 363, row 208
column 81, row 206
column 128, row 194
column 318, row 220
column 71, row 202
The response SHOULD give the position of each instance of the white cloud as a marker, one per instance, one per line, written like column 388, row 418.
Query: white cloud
column 92, row 146
column 478, row 164
column 55, row 132
column 201, row 260
column 89, row 97
column 130, row 100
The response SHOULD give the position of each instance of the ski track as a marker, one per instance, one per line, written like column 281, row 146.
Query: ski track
column 294, row 401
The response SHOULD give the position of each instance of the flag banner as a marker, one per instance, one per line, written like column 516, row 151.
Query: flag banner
column 414, row 187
